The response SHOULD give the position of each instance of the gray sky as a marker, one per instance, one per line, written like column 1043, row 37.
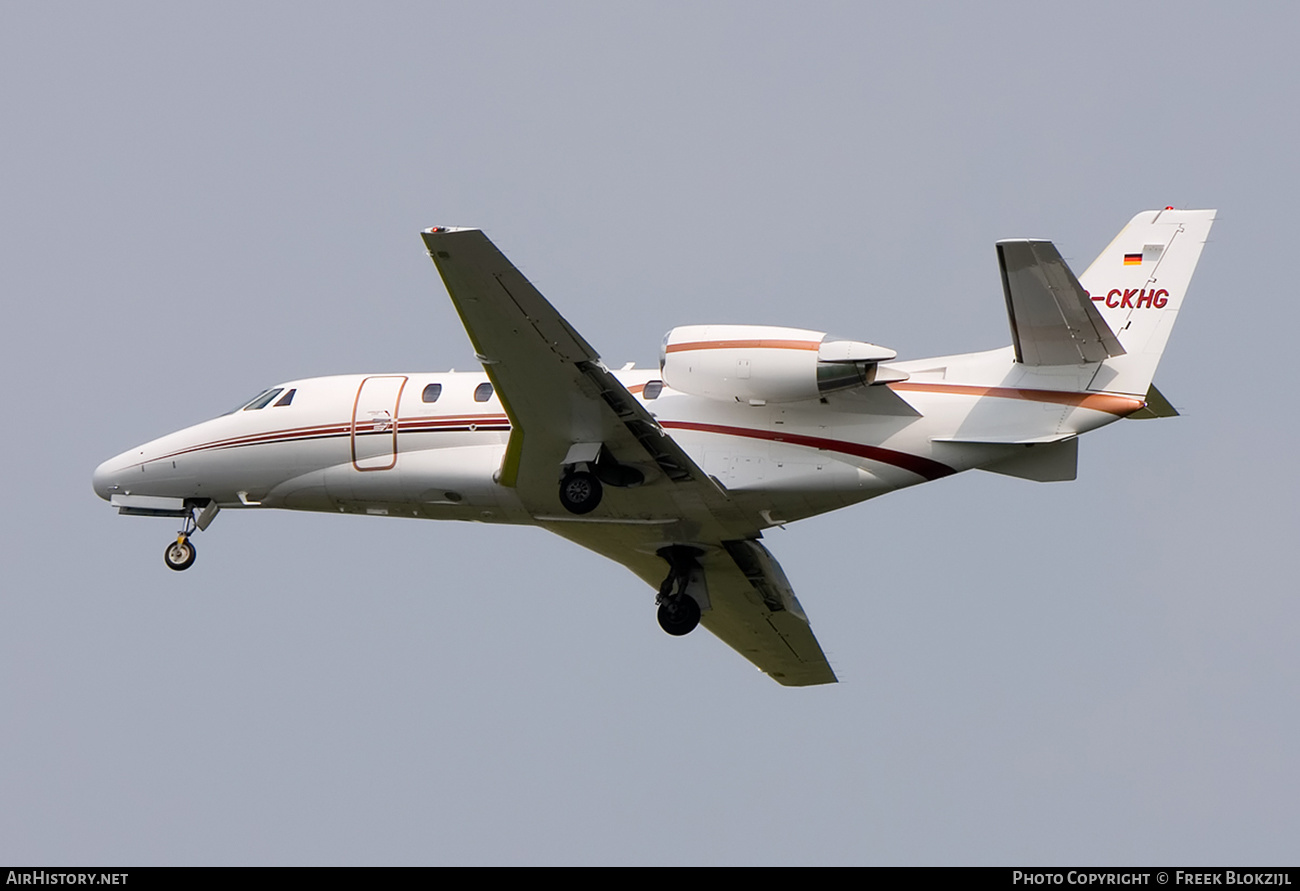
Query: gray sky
column 198, row 202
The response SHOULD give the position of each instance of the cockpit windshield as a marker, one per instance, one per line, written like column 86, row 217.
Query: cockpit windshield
column 261, row 400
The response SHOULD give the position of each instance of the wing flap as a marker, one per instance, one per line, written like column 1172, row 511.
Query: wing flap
column 759, row 616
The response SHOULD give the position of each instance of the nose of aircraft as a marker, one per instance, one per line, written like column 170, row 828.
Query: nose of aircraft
column 102, row 479
column 107, row 478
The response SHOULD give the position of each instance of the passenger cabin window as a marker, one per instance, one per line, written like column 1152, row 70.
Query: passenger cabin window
column 264, row 399
column 483, row 392
column 431, row 393
column 653, row 389
column 286, row 398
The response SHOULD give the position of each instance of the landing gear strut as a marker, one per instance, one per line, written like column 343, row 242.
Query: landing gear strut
column 679, row 610
column 180, row 554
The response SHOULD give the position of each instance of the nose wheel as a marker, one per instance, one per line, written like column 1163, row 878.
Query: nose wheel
column 180, row 554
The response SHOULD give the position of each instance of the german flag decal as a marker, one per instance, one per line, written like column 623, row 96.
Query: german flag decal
column 1132, row 259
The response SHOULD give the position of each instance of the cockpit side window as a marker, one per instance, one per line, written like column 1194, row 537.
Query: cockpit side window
column 263, row 399
column 286, row 398
column 431, row 393
column 483, row 392
column 652, row 389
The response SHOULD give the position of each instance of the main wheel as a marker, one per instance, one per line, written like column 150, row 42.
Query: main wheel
column 179, row 555
column 679, row 615
column 580, row 492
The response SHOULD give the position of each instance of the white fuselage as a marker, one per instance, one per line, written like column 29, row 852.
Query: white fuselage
column 675, row 472
column 372, row 444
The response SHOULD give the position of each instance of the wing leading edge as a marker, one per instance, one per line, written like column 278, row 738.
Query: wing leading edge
column 558, row 395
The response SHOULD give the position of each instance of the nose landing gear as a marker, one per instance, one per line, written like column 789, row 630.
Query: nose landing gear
column 180, row 553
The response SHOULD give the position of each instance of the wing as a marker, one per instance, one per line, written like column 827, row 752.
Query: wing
column 557, row 393
column 1052, row 320
column 750, row 604
column 564, row 406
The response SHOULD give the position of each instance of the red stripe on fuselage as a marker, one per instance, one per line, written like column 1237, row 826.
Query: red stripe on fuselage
column 931, row 470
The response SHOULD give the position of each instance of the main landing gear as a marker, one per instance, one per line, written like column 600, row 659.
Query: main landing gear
column 588, row 468
column 679, row 610
column 678, row 615
column 580, row 492
column 180, row 553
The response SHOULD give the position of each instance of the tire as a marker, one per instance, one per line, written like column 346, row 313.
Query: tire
column 580, row 492
column 180, row 555
column 679, row 615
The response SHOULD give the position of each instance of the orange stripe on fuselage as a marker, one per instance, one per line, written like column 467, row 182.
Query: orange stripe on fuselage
column 743, row 345
column 1115, row 405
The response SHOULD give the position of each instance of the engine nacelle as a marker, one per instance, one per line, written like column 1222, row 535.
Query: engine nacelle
column 761, row 363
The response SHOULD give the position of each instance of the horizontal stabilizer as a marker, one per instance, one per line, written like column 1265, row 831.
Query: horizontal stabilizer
column 1157, row 406
column 1006, row 440
column 1044, row 463
column 1053, row 321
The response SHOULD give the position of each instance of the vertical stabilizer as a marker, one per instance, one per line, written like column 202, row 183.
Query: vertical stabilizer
column 1138, row 284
